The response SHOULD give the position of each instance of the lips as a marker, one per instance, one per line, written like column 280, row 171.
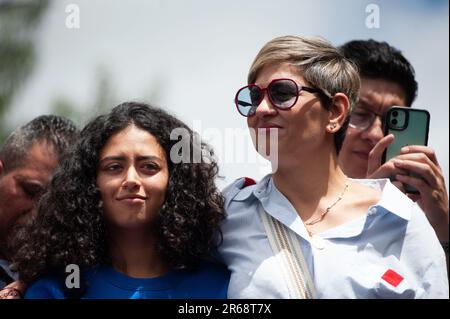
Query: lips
column 134, row 197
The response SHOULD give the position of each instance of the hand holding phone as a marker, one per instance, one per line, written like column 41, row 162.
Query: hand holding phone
column 409, row 127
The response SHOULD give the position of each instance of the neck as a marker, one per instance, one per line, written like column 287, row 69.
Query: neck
column 134, row 253
column 310, row 182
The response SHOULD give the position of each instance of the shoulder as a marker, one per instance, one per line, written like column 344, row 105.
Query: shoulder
column 425, row 254
column 47, row 287
column 390, row 198
column 419, row 226
column 240, row 189
column 419, row 235
column 53, row 286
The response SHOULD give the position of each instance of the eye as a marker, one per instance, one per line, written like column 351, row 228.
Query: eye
column 113, row 167
column 283, row 92
column 150, row 167
column 32, row 191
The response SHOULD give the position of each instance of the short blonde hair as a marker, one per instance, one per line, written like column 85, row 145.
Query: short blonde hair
column 321, row 65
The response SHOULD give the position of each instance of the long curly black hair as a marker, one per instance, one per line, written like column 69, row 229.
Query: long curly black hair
column 69, row 227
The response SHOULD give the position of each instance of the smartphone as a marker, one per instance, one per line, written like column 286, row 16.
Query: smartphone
column 410, row 127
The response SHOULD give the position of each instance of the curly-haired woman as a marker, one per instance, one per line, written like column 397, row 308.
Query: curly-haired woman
column 137, row 224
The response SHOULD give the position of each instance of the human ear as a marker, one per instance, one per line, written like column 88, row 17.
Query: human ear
column 338, row 112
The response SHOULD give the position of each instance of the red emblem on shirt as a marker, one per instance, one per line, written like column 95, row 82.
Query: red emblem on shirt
column 248, row 182
column 392, row 277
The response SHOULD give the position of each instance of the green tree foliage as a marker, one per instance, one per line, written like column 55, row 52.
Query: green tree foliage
column 18, row 22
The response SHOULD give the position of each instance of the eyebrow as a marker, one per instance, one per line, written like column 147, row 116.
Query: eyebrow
column 123, row 158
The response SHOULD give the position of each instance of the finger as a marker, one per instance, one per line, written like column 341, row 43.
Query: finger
column 424, row 170
column 376, row 153
column 14, row 295
column 420, row 158
column 387, row 170
column 428, row 151
column 10, row 293
column 415, row 182
column 14, row 290
column 414, row 197
column 399, row 185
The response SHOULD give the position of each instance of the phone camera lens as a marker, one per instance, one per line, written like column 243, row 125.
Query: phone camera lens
column 395, row 114
column 394, row 121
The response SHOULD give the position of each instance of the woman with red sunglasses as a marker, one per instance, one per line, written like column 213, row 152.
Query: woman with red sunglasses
column 307, row 230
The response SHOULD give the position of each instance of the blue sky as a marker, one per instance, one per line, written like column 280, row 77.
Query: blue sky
column 191, row 56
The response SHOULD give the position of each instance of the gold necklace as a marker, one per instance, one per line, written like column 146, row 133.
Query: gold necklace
column 322, row 216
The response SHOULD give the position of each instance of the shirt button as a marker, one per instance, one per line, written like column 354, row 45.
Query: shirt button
column 372, row 211
column 318, row 242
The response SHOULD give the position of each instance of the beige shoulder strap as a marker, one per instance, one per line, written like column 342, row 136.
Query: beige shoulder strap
column 286, row 249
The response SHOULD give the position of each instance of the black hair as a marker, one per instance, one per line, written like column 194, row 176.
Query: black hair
column 57, row 131
column 379, row 60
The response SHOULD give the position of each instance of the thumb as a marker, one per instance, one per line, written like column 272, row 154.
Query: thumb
column 376, row 154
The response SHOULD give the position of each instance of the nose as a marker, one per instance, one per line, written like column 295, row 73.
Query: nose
column 131, row 181
column 374, row 132
column 265, row 107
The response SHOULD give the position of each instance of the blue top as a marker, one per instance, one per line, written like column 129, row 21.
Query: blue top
column 389, row 252
column 210, row 281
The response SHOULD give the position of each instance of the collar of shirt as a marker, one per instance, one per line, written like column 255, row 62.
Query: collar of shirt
column 4, row 264
column 392, row 201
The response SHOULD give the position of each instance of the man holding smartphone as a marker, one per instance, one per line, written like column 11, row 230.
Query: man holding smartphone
column 388, row 79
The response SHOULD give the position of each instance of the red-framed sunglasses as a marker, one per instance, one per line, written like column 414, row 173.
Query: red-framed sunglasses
column 282, row 93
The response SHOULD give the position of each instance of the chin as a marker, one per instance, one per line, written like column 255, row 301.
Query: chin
column 354, row 166
column 132, row 221
column 268, row 151
column 133, row 224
